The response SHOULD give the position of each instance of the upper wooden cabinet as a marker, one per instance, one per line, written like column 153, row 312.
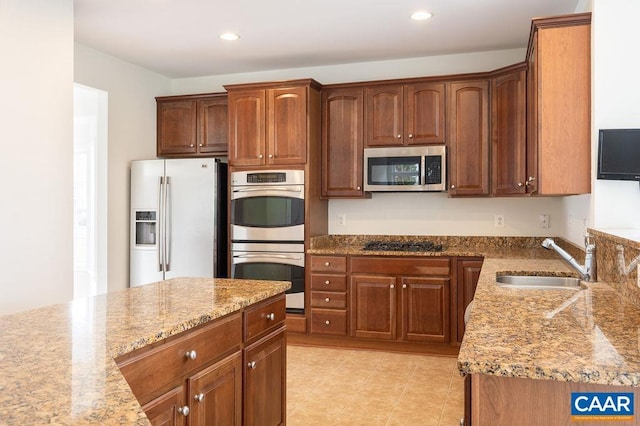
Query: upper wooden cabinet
column 559, row 106
column 192, row 125
column 508, row 131
column 342, row 142
column 268, row 123
column 411, row 114
column 468, row 121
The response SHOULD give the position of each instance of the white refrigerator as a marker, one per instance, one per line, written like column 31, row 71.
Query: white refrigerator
column 178, row 219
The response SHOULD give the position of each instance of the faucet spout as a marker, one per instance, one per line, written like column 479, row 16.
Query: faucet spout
column 587, row 271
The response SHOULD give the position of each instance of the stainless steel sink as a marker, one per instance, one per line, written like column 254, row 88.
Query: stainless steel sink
column 528, row 282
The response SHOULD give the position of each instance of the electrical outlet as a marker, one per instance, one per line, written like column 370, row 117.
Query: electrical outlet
column 498, row 221
column 544, row 221
column 342, row 220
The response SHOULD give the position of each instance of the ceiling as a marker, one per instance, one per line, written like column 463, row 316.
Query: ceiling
column 179, row 38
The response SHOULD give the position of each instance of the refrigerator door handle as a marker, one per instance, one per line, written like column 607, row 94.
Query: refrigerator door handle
column 160, row 219
column 167, row 225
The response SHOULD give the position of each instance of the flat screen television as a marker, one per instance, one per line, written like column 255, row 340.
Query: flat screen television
column 619, row 154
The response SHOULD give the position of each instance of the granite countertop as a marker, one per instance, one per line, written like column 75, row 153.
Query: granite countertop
column 57, row 363
column 589, row 336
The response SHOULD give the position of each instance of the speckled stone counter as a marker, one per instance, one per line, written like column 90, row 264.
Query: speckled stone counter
column 56, row 363
column 589, row 336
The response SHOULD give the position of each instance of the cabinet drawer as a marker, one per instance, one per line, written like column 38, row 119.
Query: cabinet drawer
column 328, row 299
column 329, row 263
column 264, row 317
column 401, row 265
column 151, row 371
column 328, row 321
column 328, row 282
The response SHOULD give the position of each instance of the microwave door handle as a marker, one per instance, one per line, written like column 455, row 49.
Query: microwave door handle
column 269, row 188
column 274, row 256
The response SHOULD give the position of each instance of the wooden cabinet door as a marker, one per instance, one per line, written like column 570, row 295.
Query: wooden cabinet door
column 424, row 114
column 373, row 307
column 216, row 393
column 468, row 273
column 265, row 381
column 287, row 126
column 213, row 126
column 247, row 140
column 425, row 309
column 384, row 116
column 531, row 183
column 342, row 143
column 176, row 127
column 468, row 113
column 163, row 411
column 508, row 134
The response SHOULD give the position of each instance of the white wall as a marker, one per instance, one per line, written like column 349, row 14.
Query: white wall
column 132, row 135
column 616, row 103
column 36, row 141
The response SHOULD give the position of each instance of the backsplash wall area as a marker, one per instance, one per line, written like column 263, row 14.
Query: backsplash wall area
column 437, row 214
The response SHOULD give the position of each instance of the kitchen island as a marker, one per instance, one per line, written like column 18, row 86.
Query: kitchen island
column 57, row 363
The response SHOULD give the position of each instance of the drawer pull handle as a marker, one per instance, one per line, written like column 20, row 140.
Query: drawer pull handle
column 252, row 365
column 327, row 322
column 327, row 263
column 191, row 355
column 326, row 282
column 184, row 410
column 199, row 397
column 271, row 316
column 327, row 299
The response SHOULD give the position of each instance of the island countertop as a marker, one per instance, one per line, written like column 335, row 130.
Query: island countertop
column 57, row 363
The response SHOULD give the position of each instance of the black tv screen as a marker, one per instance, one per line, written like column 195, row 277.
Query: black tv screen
column 619, row 154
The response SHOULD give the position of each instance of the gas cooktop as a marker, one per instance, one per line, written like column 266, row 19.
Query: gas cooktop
column 402, row 246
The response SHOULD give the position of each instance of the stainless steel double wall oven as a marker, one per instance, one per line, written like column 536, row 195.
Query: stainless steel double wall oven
column 267, row 229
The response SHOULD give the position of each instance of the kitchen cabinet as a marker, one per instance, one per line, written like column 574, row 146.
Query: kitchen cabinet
column 468, row 127
column 468, row 272
column 192, row 125
column 404, row 299
column 328, row 295
column 508, row 131
column 217, row 373
column 411, row 114
column 342, row 142
column 268, row 124
column 559, row 106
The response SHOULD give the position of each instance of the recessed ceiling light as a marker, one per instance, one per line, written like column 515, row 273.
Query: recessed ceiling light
column 229, row 36
column 421, row 15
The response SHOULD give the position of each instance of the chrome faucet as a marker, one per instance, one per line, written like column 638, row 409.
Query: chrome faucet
column 588, row 270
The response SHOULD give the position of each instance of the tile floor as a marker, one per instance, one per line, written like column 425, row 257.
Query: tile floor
column 356, row 387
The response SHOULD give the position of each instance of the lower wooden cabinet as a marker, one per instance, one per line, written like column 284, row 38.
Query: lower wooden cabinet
column 328, row 295
column 264, row 382
column 231, row 371
column 468, row 272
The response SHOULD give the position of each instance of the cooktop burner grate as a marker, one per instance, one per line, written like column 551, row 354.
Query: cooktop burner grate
column 402, row 246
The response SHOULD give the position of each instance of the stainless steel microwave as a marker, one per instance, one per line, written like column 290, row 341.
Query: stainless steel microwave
column 397, row 169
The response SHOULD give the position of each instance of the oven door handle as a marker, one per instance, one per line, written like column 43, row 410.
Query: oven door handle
column 273, row 256
column 270, row 188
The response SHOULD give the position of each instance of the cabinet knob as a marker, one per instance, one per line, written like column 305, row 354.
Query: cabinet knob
column 271, row 316
column 191, row 355
column 326, row 282
column 199, row 397
column 453, row 187
column 530, row 181
column 327, row 263
column 201, row 144
column 520, row 184
column 404, row 286
column 410, row 135
column 191, row 145
column 392, row 286
column 327, row 322
column 252, row 365
column 358, row 188
column 399, row 137
column 184, row 410
column 260, row 156
column 270, row 155
column 327, row 299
